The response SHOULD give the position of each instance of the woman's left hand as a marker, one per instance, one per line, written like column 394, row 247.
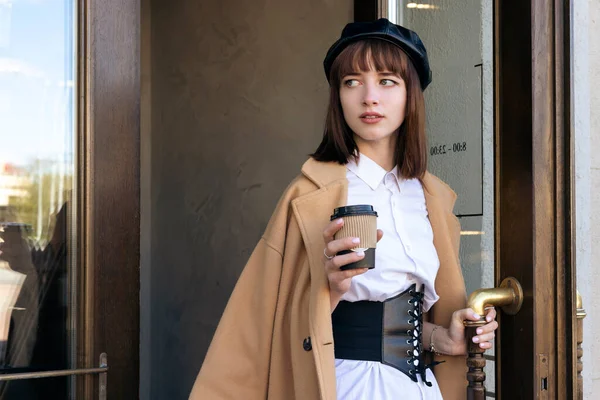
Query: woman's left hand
column 485, row 333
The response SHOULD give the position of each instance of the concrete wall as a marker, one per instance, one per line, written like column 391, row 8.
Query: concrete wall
column 238, row 100
column 586, row 103
column 592, row 298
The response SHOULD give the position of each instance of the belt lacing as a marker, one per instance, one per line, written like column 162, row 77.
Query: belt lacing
column 416, row 320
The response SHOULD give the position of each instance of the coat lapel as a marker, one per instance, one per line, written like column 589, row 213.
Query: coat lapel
column 313, row 211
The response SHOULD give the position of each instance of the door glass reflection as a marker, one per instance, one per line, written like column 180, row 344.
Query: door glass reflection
column 37, row 178
column 458, row 36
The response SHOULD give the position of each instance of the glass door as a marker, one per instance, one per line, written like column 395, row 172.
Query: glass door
column 460, row 124
column 38, row 268
column 69, row 199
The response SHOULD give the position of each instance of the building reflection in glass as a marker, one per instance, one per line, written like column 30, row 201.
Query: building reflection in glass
column 37, row 174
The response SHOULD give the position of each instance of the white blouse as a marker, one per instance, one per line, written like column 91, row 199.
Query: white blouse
column 405, row 255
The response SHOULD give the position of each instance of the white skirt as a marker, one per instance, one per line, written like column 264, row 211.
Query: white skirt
column 372, row 380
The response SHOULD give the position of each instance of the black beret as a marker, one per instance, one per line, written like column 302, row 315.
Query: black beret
column 383, row 29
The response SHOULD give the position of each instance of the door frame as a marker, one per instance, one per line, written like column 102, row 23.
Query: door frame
column 534, row 194
column 108, row 214
column 534, row 197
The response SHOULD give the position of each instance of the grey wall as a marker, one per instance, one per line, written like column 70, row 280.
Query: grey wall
column 585, row 48
column 238, row 100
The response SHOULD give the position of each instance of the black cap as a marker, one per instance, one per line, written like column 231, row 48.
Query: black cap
column 383, row 29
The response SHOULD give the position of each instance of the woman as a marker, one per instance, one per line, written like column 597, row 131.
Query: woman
column 276, row 337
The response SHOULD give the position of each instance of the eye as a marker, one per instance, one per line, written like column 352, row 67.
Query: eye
column 351, row 83
column 388, row 82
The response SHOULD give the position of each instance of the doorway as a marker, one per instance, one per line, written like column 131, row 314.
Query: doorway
column 231, row 89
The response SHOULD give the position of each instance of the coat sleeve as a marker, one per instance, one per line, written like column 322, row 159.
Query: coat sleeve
column 237, row 363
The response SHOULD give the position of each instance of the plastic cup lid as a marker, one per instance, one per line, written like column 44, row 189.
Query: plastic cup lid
column 360, row 209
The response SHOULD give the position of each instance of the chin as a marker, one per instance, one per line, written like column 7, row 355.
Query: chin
column 373, row 135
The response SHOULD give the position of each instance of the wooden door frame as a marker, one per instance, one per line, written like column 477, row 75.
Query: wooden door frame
column 108, row 212
column 534, row 195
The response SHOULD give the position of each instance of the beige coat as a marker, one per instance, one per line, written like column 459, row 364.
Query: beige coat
column 282, row 298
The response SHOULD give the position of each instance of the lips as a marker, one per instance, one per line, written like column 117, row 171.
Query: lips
column 371, row 117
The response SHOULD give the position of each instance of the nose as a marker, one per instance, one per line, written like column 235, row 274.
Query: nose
column 371, row 95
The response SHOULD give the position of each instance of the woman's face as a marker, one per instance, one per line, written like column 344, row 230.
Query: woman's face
column 374, row 105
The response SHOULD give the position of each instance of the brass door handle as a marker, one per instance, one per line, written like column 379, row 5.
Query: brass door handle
column 509, row 296
column 581, row 314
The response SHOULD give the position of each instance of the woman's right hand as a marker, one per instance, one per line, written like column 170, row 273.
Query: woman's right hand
column 339, row 281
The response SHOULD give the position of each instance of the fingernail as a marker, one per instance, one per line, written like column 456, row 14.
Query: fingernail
column 356, row 240
column 475, row 339
column 339, row 221
column 488, row 318
column 360, row 253
column 479, row 331
column 482, row 345
column 476, row 315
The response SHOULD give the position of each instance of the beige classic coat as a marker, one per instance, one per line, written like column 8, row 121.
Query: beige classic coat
column 274, row 340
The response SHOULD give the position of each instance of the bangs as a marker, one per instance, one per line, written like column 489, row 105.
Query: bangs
column 370, row 55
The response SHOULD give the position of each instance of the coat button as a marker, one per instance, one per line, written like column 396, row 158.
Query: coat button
column 306, row 344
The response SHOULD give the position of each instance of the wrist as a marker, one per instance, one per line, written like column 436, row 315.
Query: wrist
column 433, row 348
column 442, row 343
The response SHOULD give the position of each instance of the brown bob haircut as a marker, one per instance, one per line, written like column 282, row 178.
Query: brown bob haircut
column 338, row 140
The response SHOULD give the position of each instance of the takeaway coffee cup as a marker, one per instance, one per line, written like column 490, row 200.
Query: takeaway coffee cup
column 359, row 221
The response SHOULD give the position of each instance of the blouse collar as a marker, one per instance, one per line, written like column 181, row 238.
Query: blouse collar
column 369, row 171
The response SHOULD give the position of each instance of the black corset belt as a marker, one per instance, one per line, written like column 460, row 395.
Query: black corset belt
column 389, row 332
